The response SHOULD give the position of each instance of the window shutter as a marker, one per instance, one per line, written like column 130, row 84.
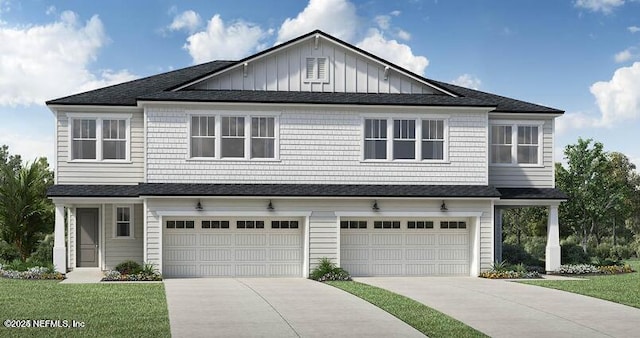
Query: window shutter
column 310, row 68
column 322, row 68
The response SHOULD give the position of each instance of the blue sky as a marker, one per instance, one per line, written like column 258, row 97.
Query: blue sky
column 582, row 56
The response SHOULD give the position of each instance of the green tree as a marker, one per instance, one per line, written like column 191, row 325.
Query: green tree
column 592, row 190
column 25, row 212
column 529, row 221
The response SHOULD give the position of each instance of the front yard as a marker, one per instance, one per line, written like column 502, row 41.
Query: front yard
column 105, row 309
column 623, row 289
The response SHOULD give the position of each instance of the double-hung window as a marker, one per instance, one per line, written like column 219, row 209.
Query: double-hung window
column 233, row 137
column 405, row 139
column 99, row 139
column 516, row 143
column 123, row 222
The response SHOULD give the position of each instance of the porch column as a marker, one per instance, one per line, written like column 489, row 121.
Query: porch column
column 59, row 247
column 497, row 238
column 552, row 257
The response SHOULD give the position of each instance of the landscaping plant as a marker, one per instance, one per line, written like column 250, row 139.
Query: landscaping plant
column 328, row 271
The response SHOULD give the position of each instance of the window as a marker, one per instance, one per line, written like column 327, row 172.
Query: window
column 99, row 139
column 353, row 224
column 453, row 225
column 317, row 69
column 420, row 225
column 188, row 224
column 250, row 224
column 514, row 143
column 232, row 136
column 386, row 225
column 404, row 139
column 215, row 224
column 432, row 139
column 375, row 139
column 203, row 136
column 284, row 224
column 124, row 222
column 263, row 137
column 84, row 139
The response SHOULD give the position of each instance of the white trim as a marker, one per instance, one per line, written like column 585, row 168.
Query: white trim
column 100, row 208
column 56, row 121
column 338, row 241
column 115, row 221
column 145, row 236
column 99, row 138
column 231, row 213
column 527, row 202
column 553, row 153
column 316, row 79
column 495, row 114
column 322, row 198
column 160, row 245
column 408, row 214
column 97, row 108
column 515, row 124
column 145, row 145
column 305, row 253
column 475, row 247
column 102, row 230
column 105, row 116
column 82, row 201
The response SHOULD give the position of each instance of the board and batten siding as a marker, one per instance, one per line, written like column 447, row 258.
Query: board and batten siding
column 118, row 250
column 284, row 70
column 316, row 146
column 97, row 172
column 528, row 176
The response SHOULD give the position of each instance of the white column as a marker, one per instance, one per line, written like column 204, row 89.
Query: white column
column 552, row 258
column 59, row 248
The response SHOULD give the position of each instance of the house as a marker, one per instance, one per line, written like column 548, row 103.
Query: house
column 313, row 148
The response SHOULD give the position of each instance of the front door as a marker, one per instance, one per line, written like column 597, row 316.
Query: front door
column 87, row 236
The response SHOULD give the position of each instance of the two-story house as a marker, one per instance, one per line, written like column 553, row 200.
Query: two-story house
column 313, row 148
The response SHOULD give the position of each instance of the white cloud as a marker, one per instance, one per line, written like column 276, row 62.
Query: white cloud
column 623, row 56
column 51, row 10
column 29, row 146
column 604, row 6
column 41, row 62
column 5, row 6
column 335, row 17
column 578, row 120
column 395, row 13
column 224, row 41
column 468, row 81
column 187, row 20
column 633, row 29
column 383, row 21
column 619, row 98
column 393, row 51
column 404, row 35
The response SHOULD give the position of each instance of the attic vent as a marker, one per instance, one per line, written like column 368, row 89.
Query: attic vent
column 317, row 69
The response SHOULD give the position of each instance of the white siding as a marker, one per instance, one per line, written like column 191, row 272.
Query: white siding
column 284, row 70
column 118, row 250
column 528, row 177
column 95, row 172
column 323, row 238
column 318, row 146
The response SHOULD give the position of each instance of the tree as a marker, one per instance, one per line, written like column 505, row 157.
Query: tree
column 25, row 212
column 592, row 189
column 527, row 221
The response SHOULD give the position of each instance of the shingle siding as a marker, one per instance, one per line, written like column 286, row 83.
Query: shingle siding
column 316, row 146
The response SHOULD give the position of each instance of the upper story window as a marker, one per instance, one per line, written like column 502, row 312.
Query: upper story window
column 516, row 143
column 99, row 139
column 408, row 139
column 317, row 69
column 233, row 137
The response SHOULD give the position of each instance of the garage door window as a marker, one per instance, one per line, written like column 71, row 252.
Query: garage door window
column 250, row 224
column 353, row 224
column 284, row 224
column 180, row 224
column 215, row 224
column 420, row 224
column 453, row 225
column 386, row 224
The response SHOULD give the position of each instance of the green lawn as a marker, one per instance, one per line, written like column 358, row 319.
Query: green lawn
column 107, row 310
column 623, row 289
column 425, row 319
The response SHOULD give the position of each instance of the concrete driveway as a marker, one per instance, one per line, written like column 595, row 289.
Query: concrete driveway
column 508, row 309
column 276, row 307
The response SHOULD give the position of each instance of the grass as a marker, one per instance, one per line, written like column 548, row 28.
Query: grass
column 623, row 288
column 107, row 310
column 423, row 318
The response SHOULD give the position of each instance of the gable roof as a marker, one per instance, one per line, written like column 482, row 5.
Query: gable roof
column 162, row 87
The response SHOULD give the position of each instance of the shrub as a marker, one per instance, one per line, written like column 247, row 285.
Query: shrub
column 146, row 273
column 603, row 251
column 37, row 272
column 328, row 271
column 129, row 267
column 620, row 252
column 515, row 255
column 572, row 253
column 44, row 251
column 577, row 269
column 535, row 246
column 615, row 269
column 502, row 270
column 8, row 252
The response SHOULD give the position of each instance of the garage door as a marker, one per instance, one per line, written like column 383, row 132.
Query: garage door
column 404, row 247
column 232, row 247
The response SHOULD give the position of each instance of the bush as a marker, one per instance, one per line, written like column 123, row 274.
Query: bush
column 44, row 251
column 535, row 246
column 572, row 253
column 328, row 271
column 620, row 252
column 145, row 273
column 8, row 252
column 603, row 251
column 577, row 269
column 37, row 272
column 129, row 267
column 515, row 255
column 502, row 270
column 615, row 269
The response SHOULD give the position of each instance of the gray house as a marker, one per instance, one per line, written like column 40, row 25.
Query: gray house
column 313, row 148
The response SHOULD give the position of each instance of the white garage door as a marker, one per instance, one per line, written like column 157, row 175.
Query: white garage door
column 404, row 247
column 232, row 247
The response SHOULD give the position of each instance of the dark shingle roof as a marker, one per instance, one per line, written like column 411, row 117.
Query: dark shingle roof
column 283, row 190
column 159, row 87
column 314, row 98
column 532, row 194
